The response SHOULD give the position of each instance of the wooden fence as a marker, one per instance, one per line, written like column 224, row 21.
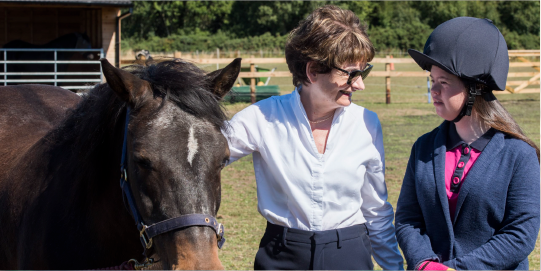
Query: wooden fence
column 517, row 59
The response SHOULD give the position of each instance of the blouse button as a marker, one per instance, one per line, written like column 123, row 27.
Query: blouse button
column 456, row 180
column 461, row 165
column 466, row 150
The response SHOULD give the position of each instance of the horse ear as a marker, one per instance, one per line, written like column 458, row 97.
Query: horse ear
column 126, row 85
column 223, row 79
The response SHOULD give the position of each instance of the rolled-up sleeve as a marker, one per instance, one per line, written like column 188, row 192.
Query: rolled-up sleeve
column 378, row 212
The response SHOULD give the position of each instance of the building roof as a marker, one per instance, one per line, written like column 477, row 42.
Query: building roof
column 73, row 2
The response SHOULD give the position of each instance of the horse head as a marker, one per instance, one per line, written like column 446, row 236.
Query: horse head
column 175, row 152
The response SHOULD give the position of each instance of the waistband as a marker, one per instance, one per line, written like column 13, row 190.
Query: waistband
column 320, row 237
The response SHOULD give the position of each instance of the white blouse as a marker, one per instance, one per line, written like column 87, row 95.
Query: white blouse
column 297, row 187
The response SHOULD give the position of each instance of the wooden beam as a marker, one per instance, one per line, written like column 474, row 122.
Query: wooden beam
column 524, row 64
column 516, row 83
column 264, row 74
column 398, row 74
column 524, row 91
column 525, row 84
column 392, row 60
column 522, row 74
column 534, row 65
column 244, row 60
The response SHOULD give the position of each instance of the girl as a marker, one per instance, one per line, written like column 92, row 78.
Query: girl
column 470, row 196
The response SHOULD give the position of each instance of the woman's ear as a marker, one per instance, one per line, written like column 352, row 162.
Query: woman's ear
column 312, row 76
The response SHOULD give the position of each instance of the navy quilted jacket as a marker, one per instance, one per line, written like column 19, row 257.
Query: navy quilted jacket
column 497, row 216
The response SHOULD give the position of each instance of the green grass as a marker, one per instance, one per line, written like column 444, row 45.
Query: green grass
column 408, row 117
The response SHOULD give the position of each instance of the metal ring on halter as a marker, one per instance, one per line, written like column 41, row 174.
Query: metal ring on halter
column 142, row 235
column 138, row 266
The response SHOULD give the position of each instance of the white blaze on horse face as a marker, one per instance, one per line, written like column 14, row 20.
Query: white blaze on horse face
column 166, row 117
column 192, row 145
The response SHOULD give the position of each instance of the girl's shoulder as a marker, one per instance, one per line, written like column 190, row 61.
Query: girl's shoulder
column 428, row 138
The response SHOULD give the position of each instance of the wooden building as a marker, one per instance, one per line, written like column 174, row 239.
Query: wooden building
column 41, row 21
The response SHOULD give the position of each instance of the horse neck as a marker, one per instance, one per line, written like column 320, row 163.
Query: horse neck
column 87, row 146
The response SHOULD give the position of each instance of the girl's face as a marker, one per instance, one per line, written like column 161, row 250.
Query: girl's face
column 448, row 93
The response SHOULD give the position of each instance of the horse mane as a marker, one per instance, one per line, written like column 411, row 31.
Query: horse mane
column 93, row 121
column 184, row 84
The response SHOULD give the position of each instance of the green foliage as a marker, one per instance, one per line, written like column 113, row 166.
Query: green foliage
column 205, row 41
column 255, row 25
column 397, row 25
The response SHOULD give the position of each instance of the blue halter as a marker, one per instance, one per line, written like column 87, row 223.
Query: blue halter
column 146, row 233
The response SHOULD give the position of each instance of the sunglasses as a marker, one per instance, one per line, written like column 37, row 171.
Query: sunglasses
column 354, row 75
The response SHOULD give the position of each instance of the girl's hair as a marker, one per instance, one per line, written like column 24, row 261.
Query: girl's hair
column 329, row 36
column 495, row 115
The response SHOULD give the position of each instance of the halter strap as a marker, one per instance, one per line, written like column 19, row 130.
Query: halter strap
column 146, row 233
column 187, row 221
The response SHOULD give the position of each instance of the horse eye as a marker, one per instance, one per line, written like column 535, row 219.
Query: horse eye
column 224, row 163
column 144, row 163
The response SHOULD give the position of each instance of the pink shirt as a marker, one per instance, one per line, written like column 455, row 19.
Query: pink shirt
column 452, row 158
column 459, row 159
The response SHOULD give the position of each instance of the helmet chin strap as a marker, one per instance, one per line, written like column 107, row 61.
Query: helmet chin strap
column 473, row 90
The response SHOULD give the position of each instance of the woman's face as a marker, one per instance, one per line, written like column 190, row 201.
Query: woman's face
column 332, row 88
column 448, row 93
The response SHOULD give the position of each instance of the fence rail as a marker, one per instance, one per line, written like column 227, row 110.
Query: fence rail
column 49, row 64
column 388, row 73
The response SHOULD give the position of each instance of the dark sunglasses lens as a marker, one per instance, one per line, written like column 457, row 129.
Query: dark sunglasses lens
column 354, row 75
column 366, row 71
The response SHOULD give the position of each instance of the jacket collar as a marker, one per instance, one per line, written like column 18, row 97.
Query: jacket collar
column 492, row 142
column 454, row 140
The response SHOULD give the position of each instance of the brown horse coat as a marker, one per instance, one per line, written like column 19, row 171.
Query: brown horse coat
column 27, row 113
column 61, row 202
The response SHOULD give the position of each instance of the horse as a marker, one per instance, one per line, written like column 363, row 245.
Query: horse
column 24, row 108
column 158, row 128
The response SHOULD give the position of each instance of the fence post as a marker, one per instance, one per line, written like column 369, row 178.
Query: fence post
column 178, row 54
column 388, row 83
column 217, row 57
column 5, row 68
column 56, row 67
column 252, row 82
column 428, row 89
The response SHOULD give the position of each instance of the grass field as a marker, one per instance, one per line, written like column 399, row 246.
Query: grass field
column 403, row 121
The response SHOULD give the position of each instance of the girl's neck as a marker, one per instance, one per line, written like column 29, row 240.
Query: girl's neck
column 316, row 108
column 470, row 128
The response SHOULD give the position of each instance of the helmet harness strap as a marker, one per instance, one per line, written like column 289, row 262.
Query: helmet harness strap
column 474, row 90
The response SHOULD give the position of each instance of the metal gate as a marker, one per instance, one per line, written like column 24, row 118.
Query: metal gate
column 42, row 66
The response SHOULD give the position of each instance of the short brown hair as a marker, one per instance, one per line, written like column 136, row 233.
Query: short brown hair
column 329, row 36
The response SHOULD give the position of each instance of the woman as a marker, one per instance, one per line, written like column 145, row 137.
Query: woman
column 470, row 196
column 318, row 159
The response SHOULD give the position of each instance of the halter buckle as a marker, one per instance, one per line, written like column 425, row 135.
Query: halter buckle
column 123, row 174
column 139, row 266
column 220, row 235
column 147, row 242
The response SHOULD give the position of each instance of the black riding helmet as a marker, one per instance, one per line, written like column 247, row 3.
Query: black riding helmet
column 472, row 49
